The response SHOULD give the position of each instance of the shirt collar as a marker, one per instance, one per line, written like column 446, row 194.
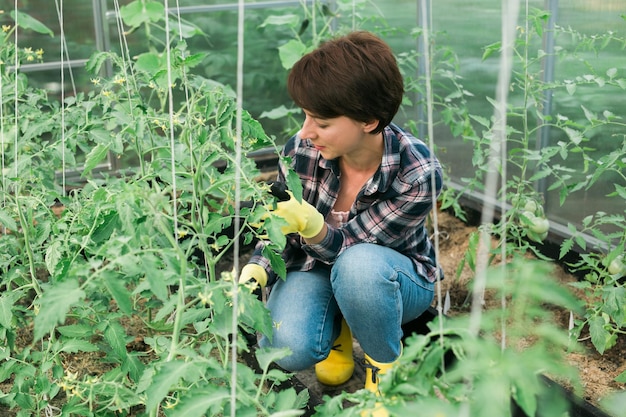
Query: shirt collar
column 390, row 163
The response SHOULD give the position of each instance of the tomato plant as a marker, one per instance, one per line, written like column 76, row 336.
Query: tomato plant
column 147, row 245
column 83, row 260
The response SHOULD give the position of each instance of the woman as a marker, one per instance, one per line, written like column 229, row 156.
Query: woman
column 358, row 255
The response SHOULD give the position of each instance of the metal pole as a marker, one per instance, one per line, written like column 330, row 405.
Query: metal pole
column 543, row 138
column 422, row 22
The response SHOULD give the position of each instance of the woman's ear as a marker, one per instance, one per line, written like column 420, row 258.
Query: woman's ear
column 368, row 127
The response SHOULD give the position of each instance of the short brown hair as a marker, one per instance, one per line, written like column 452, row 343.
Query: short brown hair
column 355, row 75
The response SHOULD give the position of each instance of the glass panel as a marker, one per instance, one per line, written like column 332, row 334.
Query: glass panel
column 590, row 19
column 78, row 28
column 76, row 81
column 466, row 39
column 479, row 76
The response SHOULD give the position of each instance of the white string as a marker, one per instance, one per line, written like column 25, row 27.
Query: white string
column 497, row 154
column 125, row 56
column 64, row 47
column 188, row 121
column 184, row 73
column 426, row 25
column 61, row 27
column 170, row 101
column 16, row 91
column 2, row 160
column 238, row 143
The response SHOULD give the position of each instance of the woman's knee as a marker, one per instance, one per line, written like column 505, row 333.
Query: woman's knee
column 360, row 262
column 302, row 351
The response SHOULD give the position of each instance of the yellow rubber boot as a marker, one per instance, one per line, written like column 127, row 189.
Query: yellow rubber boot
column 373, row 371
column 338, row 367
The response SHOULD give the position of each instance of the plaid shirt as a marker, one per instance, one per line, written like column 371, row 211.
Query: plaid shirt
column 390, row 210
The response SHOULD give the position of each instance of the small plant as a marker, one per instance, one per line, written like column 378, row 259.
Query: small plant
column 451, row 371
column 603, row 283
column 128, row 269
column 578, row 161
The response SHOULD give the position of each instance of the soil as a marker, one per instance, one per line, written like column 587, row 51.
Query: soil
column 597, row 371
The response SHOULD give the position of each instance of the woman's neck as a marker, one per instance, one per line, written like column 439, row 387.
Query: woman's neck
column 366, row 159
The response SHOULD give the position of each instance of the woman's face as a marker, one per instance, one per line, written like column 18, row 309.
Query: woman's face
column 334, row 137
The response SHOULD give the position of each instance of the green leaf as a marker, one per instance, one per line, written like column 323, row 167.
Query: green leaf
column 166, row 377
column 75, row 330
column 27, row 22
column 7, row 221
column 294, row 184
column 273, row 226
column 148, row 62
column 6, row 309
column 77, row 345
column 482, row 120
column 197, row 404
column 184, row 29
column 611, row 72
column 97, row 154
column 108, row 223
column 490, row 49
column 566, row 246
column 620, row 190
column 155, row 277
column 133, row 366
column 254, row 313
column 56, row 301
column 117, row 288
column 115, row 335
column 277, row 113
column 525, row 396
column 95, row 62
column 290, row 20
column 599, row 335
column 276, row 262
column 590, row 116
column 291, row 52
column 139, row 12
column 615, row 304
column 286, row 401
column 53, row 256
column 195, row 60
column 287, row 413
column 574, row 135
column 266, row 356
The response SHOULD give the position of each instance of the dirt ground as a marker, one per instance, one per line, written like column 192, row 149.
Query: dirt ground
column 597, row 371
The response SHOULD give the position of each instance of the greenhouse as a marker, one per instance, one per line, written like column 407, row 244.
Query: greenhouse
column 313, row 208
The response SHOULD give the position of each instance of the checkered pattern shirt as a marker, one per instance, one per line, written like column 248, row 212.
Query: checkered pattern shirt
column 390, row 210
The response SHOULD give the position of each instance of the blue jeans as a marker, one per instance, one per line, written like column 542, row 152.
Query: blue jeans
column 376, row 290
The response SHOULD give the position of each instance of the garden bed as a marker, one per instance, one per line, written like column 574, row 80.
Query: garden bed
column 597, row 371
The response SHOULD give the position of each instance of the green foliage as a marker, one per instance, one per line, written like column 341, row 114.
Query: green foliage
column 145, row 247
column 87, row 264
column 603, row 284
column 590, row 149
column 451, row 370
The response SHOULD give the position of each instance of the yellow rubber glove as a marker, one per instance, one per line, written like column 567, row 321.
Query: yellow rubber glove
column 253, row 272
column 302, row 217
